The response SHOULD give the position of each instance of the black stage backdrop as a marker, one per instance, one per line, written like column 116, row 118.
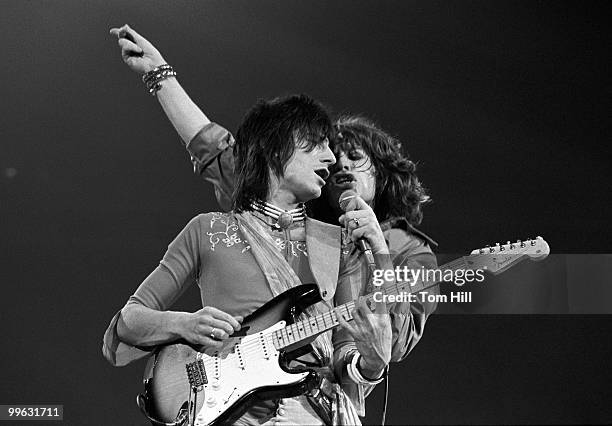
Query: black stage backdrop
column 504, row 105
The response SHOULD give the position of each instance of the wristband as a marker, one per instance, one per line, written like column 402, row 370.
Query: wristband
column 355, row 374
column 153, row 78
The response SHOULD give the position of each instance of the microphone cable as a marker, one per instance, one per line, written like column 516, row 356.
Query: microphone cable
column 384, row 412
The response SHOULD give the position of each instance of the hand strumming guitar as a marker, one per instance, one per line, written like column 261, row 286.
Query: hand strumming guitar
column 208, row 327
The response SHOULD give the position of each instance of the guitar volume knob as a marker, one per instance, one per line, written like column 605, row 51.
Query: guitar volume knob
column 211, row 401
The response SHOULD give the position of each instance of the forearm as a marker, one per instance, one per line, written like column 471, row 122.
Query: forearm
column 142, row 57
column 139, row 325
column 356, row 391
column 362, row 348
column 186, row 117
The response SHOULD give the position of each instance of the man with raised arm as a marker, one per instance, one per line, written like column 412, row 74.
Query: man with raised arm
column 366, row 156
column 243, row 258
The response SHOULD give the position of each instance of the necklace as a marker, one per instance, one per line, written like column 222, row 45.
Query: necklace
column 284, row 218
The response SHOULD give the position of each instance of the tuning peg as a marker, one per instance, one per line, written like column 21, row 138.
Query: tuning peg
column 501, row 248
column 511, row 245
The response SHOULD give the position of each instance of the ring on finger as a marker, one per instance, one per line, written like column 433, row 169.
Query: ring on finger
column 356, row 220
column 212, row 333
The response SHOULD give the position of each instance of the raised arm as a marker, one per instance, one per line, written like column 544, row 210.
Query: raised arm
column 141, row 57
column 208, row 144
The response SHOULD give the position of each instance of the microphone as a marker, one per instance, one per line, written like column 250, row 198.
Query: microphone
column 348, row 203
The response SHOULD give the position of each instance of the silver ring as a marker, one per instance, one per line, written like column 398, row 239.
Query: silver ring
column 356, row 220
column 212, row 333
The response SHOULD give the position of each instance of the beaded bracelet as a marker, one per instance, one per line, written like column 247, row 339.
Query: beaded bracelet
column 153, row 78
column 146, row 76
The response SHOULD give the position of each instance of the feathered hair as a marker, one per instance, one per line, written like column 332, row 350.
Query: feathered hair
column 266, row 140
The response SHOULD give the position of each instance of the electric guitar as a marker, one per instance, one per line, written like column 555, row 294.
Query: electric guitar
column 185, row 386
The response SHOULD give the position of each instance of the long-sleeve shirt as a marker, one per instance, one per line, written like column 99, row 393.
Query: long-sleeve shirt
column 211, row 152
column 211, row 252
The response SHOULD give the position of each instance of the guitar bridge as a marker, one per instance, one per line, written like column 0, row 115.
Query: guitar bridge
column 196, row 374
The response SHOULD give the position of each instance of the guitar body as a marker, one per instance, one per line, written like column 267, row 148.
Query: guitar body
column 253, row 371
column 188, row 386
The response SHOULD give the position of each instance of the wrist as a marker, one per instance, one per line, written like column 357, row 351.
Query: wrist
column 153, row 79
column 355, row 374
column 166, row 87
column 156, row 62
column 379, row 245
column 370, row 371
column 176, row 323
column 382, row 250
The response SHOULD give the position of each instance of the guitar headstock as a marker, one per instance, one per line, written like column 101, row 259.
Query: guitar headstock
column 498, row 258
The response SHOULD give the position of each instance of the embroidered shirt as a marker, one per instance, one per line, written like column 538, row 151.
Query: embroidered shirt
column 213, row 159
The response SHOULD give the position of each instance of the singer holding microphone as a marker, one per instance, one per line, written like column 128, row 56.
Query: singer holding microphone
column 389, row 197
column 381, row 182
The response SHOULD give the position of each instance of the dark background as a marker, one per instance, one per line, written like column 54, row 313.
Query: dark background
column 504, row 105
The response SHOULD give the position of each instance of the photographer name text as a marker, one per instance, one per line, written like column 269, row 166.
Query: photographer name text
column 423, row 297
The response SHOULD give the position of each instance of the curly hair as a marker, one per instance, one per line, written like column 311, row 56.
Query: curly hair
column 399, row 192
column 266, row 140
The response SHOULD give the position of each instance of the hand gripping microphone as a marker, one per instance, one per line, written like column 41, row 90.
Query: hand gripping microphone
column 348, row 203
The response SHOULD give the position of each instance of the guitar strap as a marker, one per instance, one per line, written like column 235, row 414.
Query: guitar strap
column 281, row 277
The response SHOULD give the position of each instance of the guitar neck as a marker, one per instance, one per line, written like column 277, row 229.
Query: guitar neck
column 315, row 325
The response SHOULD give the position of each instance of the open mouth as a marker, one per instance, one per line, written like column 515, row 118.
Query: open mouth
column 343, row 178
column 322, row 173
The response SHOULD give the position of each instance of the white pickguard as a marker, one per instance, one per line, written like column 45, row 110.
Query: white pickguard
column 254, row 364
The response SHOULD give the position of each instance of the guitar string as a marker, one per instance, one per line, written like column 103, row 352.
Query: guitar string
column 293, row 336
column 254, row 345
column 297, row 331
